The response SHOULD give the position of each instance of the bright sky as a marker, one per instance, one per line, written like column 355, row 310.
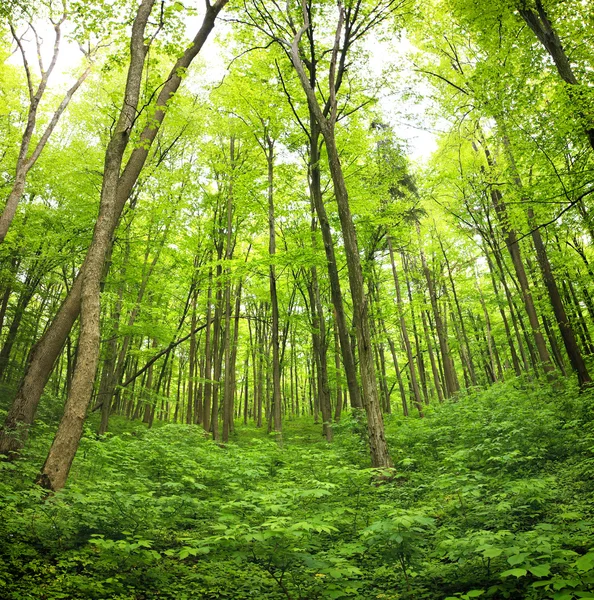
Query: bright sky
column 405, row 116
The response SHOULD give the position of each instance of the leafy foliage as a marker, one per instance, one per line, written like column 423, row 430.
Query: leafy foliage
column 491, row 498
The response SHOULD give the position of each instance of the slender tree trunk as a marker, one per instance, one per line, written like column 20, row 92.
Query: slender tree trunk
column 338, row 374
column 464, row 336
column 276, row 370
column 512, row 242
column 451, row 386
column 434, row 367
column 25, row 297
column 208, row 358
column 44, row 354
column 59, row 460
column 26, row 160
column 508, row 335
column 567, row 333
column 192, row 365
column 335, row 287
column 380, row 456
column 404, row 332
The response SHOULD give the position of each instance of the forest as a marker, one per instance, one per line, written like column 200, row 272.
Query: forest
column 296, row 299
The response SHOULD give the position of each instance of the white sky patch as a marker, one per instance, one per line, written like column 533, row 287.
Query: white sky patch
column 402, row 96
column 69, row 55
column 390, row 63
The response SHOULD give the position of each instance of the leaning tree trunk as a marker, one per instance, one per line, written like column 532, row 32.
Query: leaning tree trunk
column 567, row 333
column 513, row 246
column 59, row 460
column 543, row 29
column 44, row 354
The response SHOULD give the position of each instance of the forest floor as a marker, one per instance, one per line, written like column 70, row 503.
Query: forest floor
column 492, row 496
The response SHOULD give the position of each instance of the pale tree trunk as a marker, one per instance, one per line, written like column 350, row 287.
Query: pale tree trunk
column 25, row 161
column 44, row 354
column 59, row 460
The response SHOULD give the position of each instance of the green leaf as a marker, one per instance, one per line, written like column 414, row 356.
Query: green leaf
column 586, row 562
column 515, row 572
column 540, row 570
column 516, row 559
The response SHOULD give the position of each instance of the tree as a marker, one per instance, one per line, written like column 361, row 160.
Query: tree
column 45, row 352
column 29, row 152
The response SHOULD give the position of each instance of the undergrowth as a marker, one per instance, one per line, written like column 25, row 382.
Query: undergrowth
column 491, row 496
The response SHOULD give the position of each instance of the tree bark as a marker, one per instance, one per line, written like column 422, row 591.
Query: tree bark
column 335, row 287
column 543, row 29
column 276, row 370
column 59, row 460
column 44, row 354
column 380, row 456
column 404, row 332
column 451, row 386
column 511, row 240
column 25, row 161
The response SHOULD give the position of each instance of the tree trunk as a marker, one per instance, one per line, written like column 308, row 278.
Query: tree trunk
column 192, row 366
column 451, row 386
column 547, row 35
column 44, row 354
column 335, row 288
column 59, row 460
column 513, row 247
column 208, row 359
column 276, row 372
